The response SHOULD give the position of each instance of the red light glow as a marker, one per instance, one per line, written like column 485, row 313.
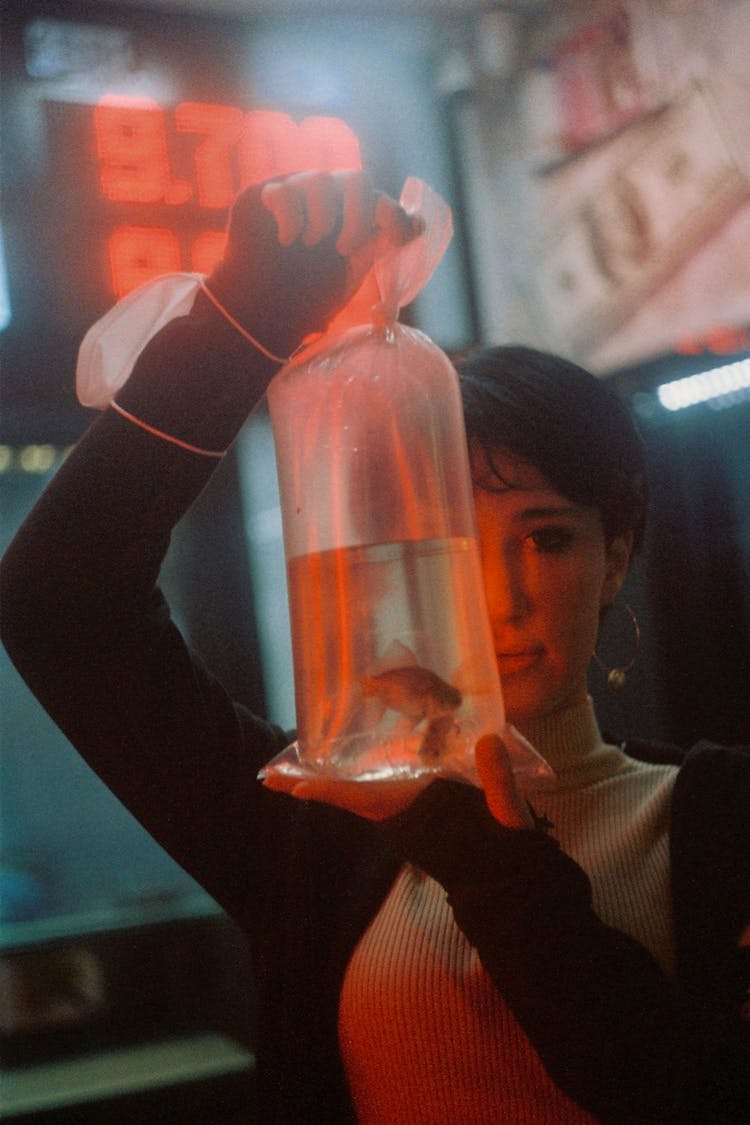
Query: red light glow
column 218, row 149
column 272, row 144
column 133, row 150
column 721, row 340
column 136, row 254
column 221, row 129
column 207, row 250
column 133, row 146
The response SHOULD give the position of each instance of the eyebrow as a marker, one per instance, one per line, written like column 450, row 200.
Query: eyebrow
column 547, row 512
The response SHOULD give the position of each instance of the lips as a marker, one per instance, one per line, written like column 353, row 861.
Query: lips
column 517, row 660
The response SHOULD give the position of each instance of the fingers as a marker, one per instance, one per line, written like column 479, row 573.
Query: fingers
column 320, row 209
column 310, row 206
column 359, row 203
column 369, row 799
column 501, row 792
column 280, row 782
column 393, row 224
column 372, row 801
column 304, row 206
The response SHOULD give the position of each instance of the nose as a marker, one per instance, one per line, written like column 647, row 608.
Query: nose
column 505, row 587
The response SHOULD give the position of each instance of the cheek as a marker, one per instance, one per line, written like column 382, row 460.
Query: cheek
column 572, row 602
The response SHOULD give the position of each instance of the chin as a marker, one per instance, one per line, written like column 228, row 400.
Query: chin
column 519, row 712
column 523, row 708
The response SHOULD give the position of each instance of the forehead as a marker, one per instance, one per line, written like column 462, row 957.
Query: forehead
column 509, row 473
column 516, row 490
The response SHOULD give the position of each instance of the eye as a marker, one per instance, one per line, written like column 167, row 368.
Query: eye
column 551, row 540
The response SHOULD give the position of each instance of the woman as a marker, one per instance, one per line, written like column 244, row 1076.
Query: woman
column 450, row 954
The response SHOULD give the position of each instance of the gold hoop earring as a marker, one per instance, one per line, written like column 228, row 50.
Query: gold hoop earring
column 616, row 677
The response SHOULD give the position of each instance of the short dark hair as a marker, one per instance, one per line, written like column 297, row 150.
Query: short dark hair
column 567, row 422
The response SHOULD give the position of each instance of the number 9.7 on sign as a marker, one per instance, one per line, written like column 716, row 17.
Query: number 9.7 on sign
column 195, row 157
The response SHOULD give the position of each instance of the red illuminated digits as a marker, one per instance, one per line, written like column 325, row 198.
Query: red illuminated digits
column 221, row 125
column 272, row 144
column 131, row 143
column 727, row 339
column 137, row 254
column 722, row 340
column 132, row 138
column 268, row 147
column 688, row 345
column 329, row 145
column 207, row 250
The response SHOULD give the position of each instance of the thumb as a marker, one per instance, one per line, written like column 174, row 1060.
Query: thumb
column 500, row 790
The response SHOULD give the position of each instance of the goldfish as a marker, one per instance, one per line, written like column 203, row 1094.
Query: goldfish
column 418, row 693
column 436, row 736
column 413, row 691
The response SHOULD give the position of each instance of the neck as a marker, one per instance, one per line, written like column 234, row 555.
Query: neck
column 570, row 741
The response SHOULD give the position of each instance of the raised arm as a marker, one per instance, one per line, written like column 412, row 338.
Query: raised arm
column 82, row 616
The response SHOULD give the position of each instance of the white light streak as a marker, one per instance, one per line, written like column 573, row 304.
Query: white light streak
column 730, row 383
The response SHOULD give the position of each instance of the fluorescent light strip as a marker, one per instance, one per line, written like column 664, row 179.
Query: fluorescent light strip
column 713, row 384
column 4, row 293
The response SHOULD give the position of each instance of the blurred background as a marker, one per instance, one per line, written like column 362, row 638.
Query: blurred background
column 597, row 160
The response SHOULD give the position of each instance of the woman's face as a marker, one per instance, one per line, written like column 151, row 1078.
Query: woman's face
column 548, row 572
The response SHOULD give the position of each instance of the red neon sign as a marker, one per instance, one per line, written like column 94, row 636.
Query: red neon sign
column 139, row 253
column 721, row 340
column 136, row 142
column 131, row 144
column 220, row 129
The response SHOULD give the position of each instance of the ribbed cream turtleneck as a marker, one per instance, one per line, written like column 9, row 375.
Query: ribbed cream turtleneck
column 425, row 1036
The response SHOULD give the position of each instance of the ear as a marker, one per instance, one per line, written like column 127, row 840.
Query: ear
column 618, row 555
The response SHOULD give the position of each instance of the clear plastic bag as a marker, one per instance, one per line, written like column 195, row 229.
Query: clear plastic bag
column 394, row 665
column 111, row 346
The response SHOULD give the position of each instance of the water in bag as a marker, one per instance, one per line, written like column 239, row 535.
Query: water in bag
column 394, row 666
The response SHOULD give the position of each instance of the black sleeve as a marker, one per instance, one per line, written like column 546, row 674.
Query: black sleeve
column 610, row 1028
column 89, row 631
